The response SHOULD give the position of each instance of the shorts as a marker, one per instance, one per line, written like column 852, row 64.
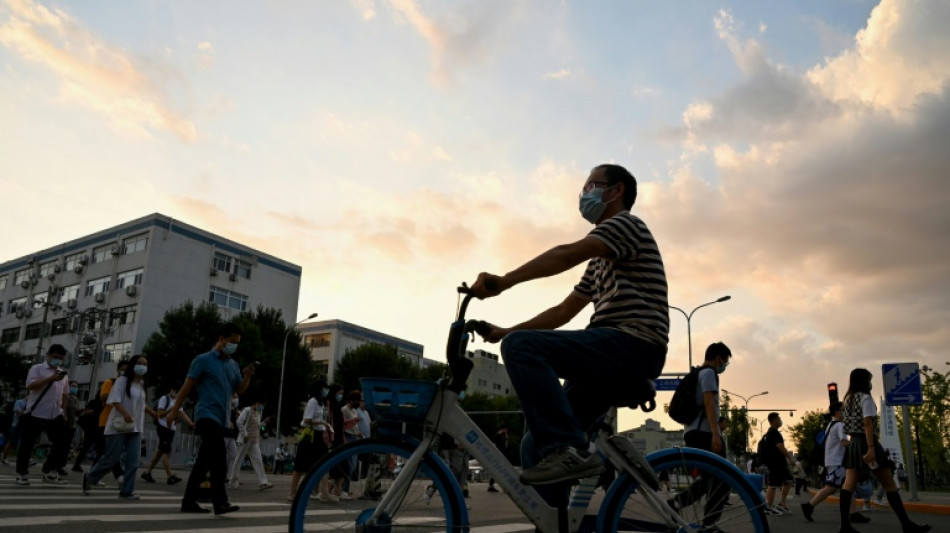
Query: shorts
column 779, row 474
column 165, row 438
column 834, row 476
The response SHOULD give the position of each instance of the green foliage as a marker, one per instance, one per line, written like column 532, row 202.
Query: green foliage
column 478, row 403
column 13, row 369
column 804, row 434
column 183, row 333
column 738, row 428
column 373, row 360
column 932, row 422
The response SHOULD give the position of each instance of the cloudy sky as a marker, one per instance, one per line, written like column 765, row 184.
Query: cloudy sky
column 793, row 155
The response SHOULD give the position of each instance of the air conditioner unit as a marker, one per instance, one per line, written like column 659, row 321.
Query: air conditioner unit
column 83, row 260
column 100, row 297
column 131, row 290
column 57, row 269
column 75, row 323
column 214, row 271
column 77, row 269
column 31, row 260
column 25, row 284
column 71, row 303
column 19, row 313
column 114, row 250
column 51, row 276
column 232, row 277
column 32, row 275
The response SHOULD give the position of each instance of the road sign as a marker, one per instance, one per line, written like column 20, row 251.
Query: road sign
column 902, row 384
column 667, row 383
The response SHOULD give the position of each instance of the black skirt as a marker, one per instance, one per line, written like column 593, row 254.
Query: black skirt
column 854, row 458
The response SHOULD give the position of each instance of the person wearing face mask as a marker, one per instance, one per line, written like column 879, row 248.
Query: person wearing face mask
column 123, row 433
column 705, row 433
column 166, row 437
column 71, row 411
column 46, row 386
column 627, row 334
column 216, row 377
column 249, row 444
column 312, row 448
column 778, row 460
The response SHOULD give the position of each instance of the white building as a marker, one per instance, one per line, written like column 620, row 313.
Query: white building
column 118, row 283
column 651, row 437
column 489, row 375
column 329, row 340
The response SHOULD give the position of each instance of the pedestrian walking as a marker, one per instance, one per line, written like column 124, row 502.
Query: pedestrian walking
column 835, row 445
column 88, row 422
column 46, row 384
column 500, row 440
column 864, row 452
column 312, row 442
column 249, row 444
column 13, row 434
column 231, row 434
column 777, row 459
column 71, row 417
column 216, row 376
column 121, row 367
column 166, row 437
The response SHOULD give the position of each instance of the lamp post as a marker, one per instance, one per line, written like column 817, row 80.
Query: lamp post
column 746, row 400
column 689, row 316
column 283, row 358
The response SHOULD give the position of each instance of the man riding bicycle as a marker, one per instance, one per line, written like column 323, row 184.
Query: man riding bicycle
column 624, row 343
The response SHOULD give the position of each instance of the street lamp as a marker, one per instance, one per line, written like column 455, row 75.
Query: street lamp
column 283, row 358
column 690, row 316
column 746, row 400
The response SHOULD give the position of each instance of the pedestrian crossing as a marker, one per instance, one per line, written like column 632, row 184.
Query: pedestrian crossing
column 41, row 507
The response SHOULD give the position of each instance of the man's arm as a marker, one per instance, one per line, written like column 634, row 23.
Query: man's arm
column 554, row 261
column 180, row 399
column 709, row 406
column 551, row 318
column 246, row 379
column 788, row 455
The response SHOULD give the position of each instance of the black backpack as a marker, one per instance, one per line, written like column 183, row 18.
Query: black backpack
column 683, row 406
column 761, row 453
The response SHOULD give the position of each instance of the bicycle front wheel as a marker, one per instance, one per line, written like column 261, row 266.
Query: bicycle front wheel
column 708, row 492
column 366, row 467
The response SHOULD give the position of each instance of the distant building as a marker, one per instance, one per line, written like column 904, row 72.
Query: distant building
column 651, row 437
column 489, row 375
column 102, row 295
column 329, row 340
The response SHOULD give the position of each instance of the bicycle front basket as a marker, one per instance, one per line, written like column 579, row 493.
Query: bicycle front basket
column 398, row 400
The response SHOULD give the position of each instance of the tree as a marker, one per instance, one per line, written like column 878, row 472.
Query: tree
column 183, row 333
column 492, row 407
column 738, row 428
column 804, row 435
column 931, row 420
column 13, row 369
column 373, row 360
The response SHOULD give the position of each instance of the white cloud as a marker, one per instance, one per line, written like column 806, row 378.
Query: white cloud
column 562, row 74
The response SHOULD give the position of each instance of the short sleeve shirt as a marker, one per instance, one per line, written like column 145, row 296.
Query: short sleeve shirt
column 774, row 456
column 314, row 411
column 629, row 291
column 706, row 382
column 216, row 378
column 834, row 451
column 133, row 403
column 50, row 406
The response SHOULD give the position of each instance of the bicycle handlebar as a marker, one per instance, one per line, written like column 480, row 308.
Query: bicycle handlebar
column 460, row 365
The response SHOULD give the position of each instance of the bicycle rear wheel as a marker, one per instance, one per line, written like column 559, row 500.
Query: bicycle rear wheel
column 433, row 501
column 710, row 491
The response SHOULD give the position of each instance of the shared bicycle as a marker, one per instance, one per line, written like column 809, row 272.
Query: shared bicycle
column 425, row 496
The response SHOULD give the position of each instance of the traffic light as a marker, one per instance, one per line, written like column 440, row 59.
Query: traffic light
column 832, row 393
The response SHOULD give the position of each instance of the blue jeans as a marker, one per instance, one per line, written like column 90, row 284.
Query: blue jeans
column 587, row 359
column 128, row 443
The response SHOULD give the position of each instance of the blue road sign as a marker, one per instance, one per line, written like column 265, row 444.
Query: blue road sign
column 902, row 384
column 667, row 383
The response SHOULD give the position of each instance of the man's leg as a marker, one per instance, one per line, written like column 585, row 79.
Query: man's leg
column 59, row 438
column 30, row 430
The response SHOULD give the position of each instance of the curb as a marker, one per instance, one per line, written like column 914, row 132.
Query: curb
column 920, row 507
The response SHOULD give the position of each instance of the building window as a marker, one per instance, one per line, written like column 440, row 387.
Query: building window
column 221, row 262
column 229, row 299
column 242, row 269
column 73, row 260
column 319, row 340
column 47, row 268
column 96, row 286
column 128, row 278
column 134, row 244
column 16, row 304
column 33, row 331
column 39, row 300
column 123, row 315
column 59, row 326
column 3, row 281
column 21, row 275
column 69, row 292
column 10, row 335
column 101, row 253
column 116, row 352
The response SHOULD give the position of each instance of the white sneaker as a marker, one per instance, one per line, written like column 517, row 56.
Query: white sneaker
column 564, row 464
column 54, row 478
column 22, row 480
column 345, row 496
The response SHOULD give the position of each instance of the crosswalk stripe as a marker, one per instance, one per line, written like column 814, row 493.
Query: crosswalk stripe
column 23, row 521
column 125, row 504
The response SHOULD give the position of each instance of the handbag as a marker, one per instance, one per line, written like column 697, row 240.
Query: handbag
column 864, row 489
column 306, row 435
column 121, row 426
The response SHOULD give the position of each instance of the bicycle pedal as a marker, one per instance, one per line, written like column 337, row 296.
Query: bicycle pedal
column 635, row 460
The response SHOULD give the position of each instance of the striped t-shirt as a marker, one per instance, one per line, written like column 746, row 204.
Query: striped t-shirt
column 629, row 291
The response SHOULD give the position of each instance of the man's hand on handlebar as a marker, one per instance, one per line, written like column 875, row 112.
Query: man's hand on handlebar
column 494, row 334
column 487, row 285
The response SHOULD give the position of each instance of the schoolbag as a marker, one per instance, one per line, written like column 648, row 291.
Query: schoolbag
column 683, row 406
column 761, row 452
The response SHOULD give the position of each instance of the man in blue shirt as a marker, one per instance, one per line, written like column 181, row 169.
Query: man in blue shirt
column 216, row 376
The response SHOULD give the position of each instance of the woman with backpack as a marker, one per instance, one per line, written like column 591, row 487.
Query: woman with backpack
column 865, row 452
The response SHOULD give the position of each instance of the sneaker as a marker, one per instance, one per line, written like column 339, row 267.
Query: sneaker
column 62, row 473
column 226, row 508
column 147, row 476
column 77, row 469
column 85, row 485
column 193, row 507
column 132, row 496
column 22, row 480
column 784, row 508
column 858, row 518
column 328, row 498
column 120, row 480
column 867, row 506
column 492, row 489
column 53, row 478
column 265, row 486
column 807, row 510
column 773, row 511
column 430, row 491
column 173, row 479
column 564, row 464
column 345, row 496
